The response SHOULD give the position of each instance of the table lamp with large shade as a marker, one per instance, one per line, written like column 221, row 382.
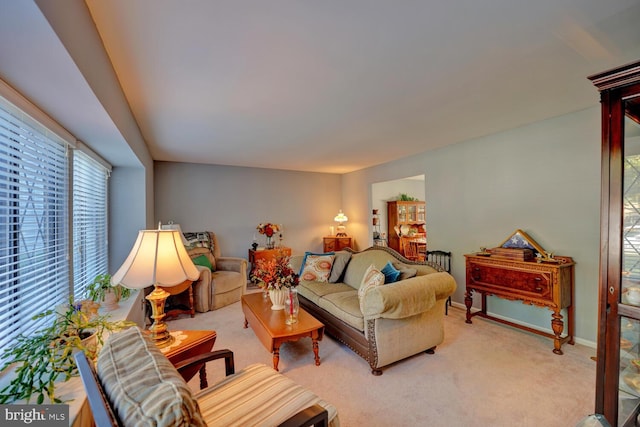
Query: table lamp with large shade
column 158, row 258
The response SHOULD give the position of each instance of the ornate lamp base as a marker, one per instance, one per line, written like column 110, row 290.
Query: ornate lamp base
column 159, row 332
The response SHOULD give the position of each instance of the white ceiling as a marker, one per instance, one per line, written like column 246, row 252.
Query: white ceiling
column 336, row 86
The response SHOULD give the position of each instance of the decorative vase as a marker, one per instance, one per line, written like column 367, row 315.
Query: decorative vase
column 90, row 345
column 269, row 242
column 110, row 301
column 278, row 297
column 291, row 306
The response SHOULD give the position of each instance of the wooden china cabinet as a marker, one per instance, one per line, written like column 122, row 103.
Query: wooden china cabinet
column 618, row 365
column 408, row 216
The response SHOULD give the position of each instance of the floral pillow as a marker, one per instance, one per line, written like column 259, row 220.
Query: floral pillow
column 372, row 278
column 317, row 267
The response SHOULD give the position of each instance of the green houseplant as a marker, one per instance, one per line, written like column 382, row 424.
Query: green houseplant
column 41, row 359
column 101, row 290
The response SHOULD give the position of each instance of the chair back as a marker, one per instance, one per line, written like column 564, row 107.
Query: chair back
column 103, row 414
column 411, row 245
column 442, row 258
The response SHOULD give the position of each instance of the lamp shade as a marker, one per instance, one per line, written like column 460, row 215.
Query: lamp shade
column 158, row 257
column 174, row 226
column 340, row 217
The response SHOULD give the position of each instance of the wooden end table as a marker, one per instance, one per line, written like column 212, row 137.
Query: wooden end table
column 271, row 329
column 188, row 344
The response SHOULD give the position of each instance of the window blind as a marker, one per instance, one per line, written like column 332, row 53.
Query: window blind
column 34, row 242
column 90, row 250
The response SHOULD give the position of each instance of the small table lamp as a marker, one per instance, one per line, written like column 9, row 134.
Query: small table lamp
column 158, row 258
column 341, row 219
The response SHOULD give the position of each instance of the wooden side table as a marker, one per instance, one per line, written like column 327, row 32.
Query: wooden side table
column 541, row 284
column 267, row 254
column 333, row 243
column 175, row 311
column 188, row 344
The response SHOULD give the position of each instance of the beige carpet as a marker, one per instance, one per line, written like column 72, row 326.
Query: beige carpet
column 484, row 374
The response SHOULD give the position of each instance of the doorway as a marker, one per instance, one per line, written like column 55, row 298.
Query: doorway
column 382, row 192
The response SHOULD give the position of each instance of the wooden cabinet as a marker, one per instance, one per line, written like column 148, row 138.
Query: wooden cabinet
column 406, row 218
column 542, row 284
column 332, row 244
column 617, row 379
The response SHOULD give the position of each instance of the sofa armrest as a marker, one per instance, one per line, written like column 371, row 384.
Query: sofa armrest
column 225, row 354
column 295, row 262
column 227, row 263
column 407, row 297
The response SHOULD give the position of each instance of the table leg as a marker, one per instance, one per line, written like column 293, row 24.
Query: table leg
column 468, row 302
column 315, row 350
column 203, row 377
column 193, row 307
column 246, row 323
column 558, row 326
column 276, row 356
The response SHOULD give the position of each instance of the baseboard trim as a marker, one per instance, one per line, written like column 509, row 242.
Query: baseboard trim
column 578, row 340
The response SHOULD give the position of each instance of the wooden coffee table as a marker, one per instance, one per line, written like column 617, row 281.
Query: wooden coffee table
column 272, row 331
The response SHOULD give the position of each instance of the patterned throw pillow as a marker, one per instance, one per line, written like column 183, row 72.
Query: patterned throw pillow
column 316, row 267
column 144, row 386
column 200, row 239
column 372, row 278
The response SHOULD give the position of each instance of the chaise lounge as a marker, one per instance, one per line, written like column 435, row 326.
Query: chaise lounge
column 134, row 384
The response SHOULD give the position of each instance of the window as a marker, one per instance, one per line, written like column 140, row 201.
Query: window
column 90, row 256
column 35, row 221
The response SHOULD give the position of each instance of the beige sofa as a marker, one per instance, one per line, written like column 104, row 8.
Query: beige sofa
column 399, row 320
column 228, row 280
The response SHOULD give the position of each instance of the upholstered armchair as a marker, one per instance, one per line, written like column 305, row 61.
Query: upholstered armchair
column 222, row 280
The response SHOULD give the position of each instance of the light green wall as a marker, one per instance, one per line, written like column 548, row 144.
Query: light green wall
column 543, row 178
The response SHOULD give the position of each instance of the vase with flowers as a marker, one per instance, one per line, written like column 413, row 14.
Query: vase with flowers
column 276, row 276
column 268, row 229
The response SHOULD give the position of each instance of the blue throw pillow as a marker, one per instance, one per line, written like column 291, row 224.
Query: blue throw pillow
column 390, row 273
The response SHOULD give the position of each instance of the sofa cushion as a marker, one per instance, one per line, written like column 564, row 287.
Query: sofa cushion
column 391, row 274
column 372, row 278
column 317, row 267
column 406, row 272
column 361, row 261
column 143, row 386
column 313, row 291
column 345, row 306
column 339, row 264
column 234, row 401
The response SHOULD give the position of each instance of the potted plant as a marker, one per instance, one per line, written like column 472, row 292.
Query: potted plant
column 42, row 358
column 101, row 290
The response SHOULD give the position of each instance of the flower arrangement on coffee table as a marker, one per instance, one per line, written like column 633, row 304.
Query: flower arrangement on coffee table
column 275, row 273
column 268, row 229
column 277, row 278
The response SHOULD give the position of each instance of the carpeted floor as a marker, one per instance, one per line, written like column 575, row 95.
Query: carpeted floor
column 484, row 374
